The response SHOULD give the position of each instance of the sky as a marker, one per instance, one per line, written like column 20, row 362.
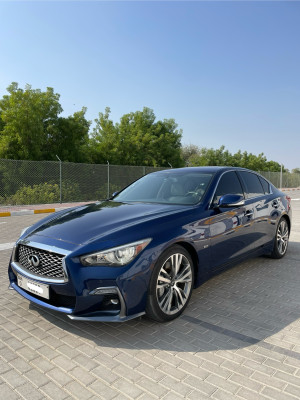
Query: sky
column 227, row 72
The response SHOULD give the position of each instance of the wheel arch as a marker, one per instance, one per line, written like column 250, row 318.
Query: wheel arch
column 288, row 220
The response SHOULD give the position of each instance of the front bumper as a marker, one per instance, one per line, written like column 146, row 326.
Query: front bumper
column 100, row 316
column 83, row 294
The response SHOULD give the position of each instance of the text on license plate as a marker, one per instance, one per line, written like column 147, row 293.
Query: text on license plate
column 36, row 288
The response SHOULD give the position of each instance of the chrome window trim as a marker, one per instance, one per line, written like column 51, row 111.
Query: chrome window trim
column 245, row 198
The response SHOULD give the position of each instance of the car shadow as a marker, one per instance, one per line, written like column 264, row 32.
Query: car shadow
column 244, row 306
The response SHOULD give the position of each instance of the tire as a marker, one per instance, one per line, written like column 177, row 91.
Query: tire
column 171, row 285
column 281, row 239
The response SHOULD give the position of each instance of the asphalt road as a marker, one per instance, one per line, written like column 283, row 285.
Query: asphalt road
column 238, row 339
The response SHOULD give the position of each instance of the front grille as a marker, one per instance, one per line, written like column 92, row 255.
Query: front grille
column 50, row 264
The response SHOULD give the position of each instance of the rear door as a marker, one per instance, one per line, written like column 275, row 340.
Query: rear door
column 258, row 194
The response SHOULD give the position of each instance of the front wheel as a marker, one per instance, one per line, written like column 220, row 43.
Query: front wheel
column 171, row 285
column 281, row 239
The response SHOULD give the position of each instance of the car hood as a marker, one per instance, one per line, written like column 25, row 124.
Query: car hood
column 84, row 224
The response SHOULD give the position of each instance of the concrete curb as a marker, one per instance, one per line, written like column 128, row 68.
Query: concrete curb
column 28, row 212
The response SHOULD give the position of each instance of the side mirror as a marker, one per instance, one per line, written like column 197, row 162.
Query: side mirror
column 115, row 193
column 231, row 200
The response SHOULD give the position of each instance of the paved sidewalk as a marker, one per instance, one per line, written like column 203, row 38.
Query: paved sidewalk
column 239, row 339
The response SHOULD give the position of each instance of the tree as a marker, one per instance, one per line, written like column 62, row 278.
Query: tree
column 31, row 129
column 69, row 138
column 194, row 156
column 136, row 140
column 296, row 171
column 28, row 116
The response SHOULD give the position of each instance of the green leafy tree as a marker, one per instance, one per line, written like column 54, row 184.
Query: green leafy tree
column 31, row 129
column 194, row 156
column 28, row 116
column 136, row 140
column 69, row 138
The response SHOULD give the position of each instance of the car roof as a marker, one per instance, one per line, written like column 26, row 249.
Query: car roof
column 208, row 169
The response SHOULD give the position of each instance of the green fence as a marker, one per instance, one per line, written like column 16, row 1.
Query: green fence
column 41, row 182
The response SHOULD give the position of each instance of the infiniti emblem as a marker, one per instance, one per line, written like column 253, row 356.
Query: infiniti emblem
column 33, row 260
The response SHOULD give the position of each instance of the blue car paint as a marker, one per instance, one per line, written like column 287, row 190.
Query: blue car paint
column 103, row 225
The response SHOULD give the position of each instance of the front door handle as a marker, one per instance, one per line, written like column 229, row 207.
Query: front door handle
column 249, row 213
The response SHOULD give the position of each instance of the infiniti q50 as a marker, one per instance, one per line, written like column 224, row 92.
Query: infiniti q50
column 144, row 250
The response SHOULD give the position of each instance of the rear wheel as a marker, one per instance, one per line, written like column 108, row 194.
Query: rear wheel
column 171, row 285
column 281, row 239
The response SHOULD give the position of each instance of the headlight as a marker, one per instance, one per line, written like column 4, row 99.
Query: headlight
column 116, row 256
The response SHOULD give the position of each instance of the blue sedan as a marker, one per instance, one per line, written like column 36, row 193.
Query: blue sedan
column 146, row 248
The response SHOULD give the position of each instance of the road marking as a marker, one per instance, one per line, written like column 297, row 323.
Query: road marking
column 3, row 223
column 6, row 246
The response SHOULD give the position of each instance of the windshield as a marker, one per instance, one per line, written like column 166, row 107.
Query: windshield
column 169, row 188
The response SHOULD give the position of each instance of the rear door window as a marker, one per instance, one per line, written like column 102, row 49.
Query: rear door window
column 252, row 183
column 265, row 185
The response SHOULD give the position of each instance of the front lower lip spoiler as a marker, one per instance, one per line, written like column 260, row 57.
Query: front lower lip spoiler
column 104, row 318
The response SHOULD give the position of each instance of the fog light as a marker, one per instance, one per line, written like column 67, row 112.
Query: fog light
column 114, row 301
column 104, row 290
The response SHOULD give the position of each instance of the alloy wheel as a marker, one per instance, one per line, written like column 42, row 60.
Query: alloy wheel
column 282, row 237
column 174, row 284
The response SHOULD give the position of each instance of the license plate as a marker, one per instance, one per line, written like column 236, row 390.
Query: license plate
column 36, row 288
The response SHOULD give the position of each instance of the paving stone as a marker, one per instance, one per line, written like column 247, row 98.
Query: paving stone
column 246, row 382
column 36, row 377
column 4, row 366
column 58, row 375
column 27, row 353
column 152, row 387
column 276, row 394
column 250, row 395
column 53, row 391
column 294, row 390
column 64, row 363
column 222, row 395
column 200, row 385
column 171, row 371
column 176, row 386
column 103, row 390
column 82, row 376
column 150, row 372
column 105, row 374
column 29, row 392
column 42, row 364
column 13, row 378
column 268, row 380
column 8, row 393
column 222, row 383
column 87, row 362
column 129, row 390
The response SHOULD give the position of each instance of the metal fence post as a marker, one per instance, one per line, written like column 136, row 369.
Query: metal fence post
column 108, row 179
column 60, row 179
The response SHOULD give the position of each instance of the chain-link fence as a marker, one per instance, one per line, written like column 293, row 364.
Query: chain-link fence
column 41, row 182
